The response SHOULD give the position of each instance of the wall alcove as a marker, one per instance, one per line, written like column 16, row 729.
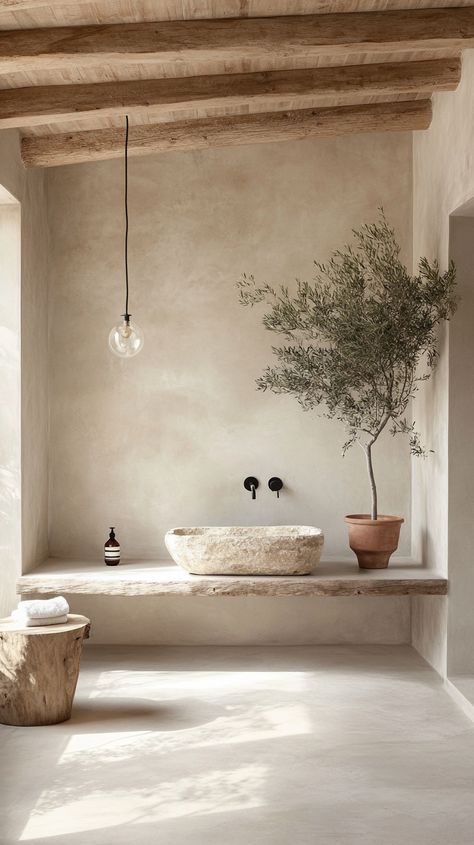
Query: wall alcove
column 460, row 629
column 10, row 439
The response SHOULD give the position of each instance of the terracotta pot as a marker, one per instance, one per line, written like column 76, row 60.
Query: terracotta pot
column 373, row 540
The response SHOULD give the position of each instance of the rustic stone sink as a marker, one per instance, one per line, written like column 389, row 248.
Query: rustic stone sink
column 254, row 550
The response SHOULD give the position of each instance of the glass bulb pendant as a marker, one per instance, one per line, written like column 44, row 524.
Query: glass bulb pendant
column 126, row 338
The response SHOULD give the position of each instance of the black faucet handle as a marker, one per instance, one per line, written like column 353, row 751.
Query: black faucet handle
column 251, row 485
column 275, row 484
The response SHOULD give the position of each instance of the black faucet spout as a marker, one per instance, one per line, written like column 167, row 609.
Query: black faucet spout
column 251, row 485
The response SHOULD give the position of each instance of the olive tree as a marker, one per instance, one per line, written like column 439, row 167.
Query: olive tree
column 359, row 339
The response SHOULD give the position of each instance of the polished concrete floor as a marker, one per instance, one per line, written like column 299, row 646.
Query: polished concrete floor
column 331, row 745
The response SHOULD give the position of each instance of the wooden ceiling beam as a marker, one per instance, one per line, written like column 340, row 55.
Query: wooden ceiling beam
column 235, row 8
column 23, row 107
column 26, row 5
column 235, row 41
column 72, row 148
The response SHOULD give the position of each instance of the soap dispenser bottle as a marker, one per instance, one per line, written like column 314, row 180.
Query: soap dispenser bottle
column 112, row 550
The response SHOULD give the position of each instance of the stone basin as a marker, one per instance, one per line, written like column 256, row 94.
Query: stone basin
column 252, row 550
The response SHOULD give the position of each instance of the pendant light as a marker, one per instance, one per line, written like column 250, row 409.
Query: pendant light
column 126, row 337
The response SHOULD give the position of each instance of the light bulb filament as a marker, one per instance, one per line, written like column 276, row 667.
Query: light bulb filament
column 125, row 329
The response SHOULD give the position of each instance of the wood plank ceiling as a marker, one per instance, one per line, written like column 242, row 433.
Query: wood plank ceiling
column 199, row 73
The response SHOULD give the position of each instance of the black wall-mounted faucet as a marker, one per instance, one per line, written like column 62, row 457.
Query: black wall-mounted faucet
column 275, row 484
column 251, row 485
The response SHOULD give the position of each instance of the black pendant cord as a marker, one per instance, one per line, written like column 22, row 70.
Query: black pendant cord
column 126, row 315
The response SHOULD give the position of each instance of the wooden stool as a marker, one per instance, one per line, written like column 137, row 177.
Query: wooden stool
column 39, row 668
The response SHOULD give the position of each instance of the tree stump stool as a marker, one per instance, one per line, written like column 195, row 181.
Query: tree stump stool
column 39, row 668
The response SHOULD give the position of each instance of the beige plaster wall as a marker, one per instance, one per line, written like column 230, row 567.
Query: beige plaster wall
column 32, row 493
column 166, row 439
column 443, row 179
column 10, row 439
column 231, row 621
column 460, row 628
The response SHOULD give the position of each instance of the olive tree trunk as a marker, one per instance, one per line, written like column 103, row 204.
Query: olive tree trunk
column 373, row 487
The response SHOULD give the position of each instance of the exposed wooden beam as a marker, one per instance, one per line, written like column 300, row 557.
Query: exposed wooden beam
column 72, row 148
column 22, row 107
column 25, row 5
column 234, row 42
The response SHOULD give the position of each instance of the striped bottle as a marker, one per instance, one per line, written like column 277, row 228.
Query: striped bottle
column 112, row 550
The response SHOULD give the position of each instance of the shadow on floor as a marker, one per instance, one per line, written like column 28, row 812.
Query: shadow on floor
column 102, row 714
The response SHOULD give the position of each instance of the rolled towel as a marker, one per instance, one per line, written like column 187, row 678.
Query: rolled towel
column 43, row 608
column 38, row 621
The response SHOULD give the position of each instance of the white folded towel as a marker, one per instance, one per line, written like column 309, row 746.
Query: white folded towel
column 42, row 608
column 37, row 621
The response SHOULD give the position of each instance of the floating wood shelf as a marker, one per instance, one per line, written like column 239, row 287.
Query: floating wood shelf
column 161, row 578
